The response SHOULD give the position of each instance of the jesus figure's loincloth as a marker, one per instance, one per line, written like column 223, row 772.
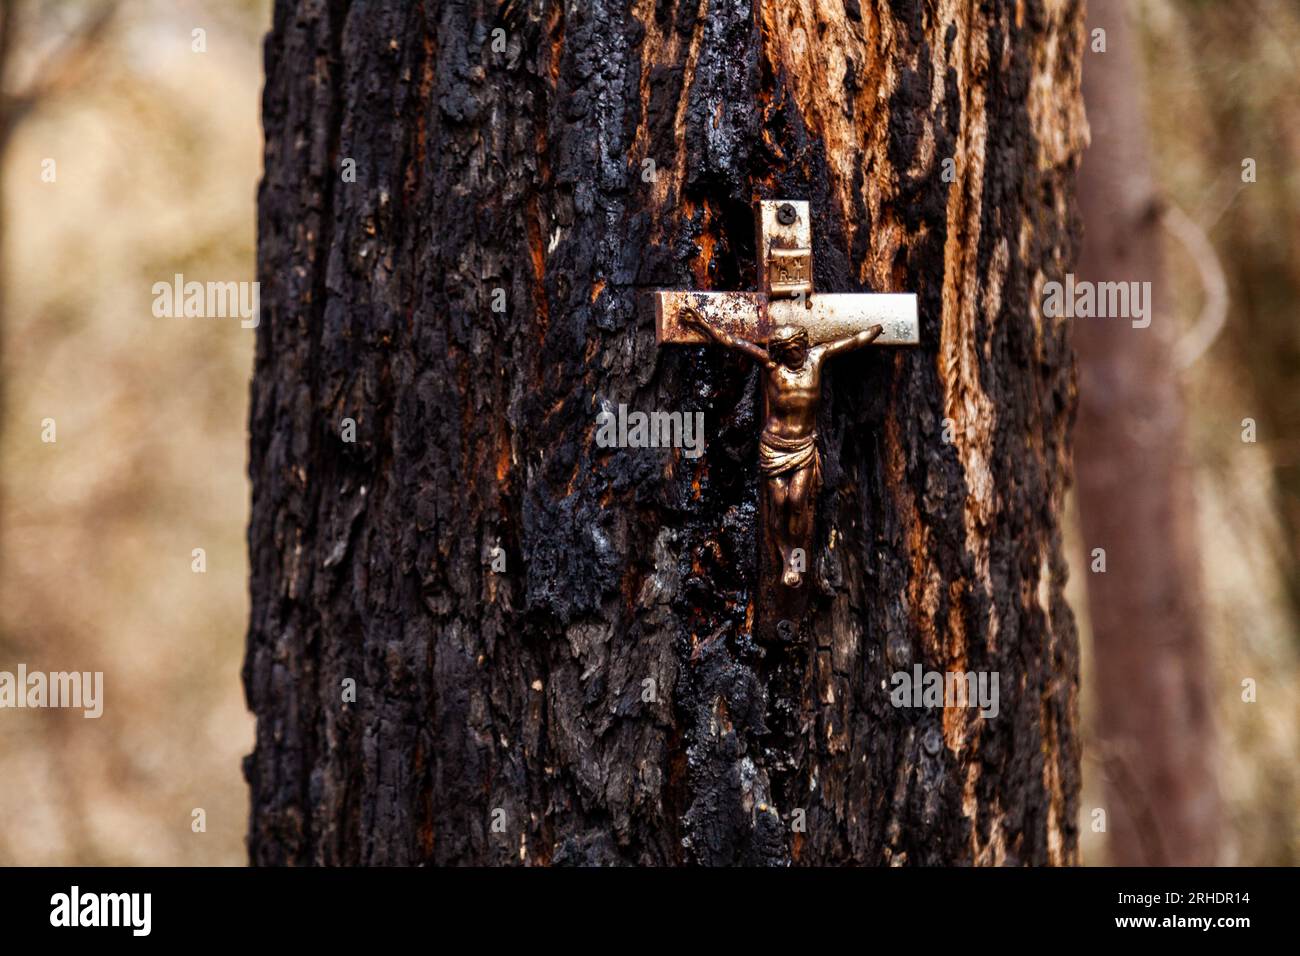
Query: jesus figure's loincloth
column 780, row 456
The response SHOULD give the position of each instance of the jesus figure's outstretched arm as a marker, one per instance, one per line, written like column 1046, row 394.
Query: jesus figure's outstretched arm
column 851, row 342
column 694, row 320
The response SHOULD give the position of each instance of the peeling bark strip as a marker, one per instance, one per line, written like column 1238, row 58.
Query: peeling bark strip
column 601, row 699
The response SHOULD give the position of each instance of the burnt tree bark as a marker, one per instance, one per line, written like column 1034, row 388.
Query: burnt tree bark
column 509, row 717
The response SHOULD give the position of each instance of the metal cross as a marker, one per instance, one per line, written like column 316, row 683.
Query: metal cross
column 791, row 332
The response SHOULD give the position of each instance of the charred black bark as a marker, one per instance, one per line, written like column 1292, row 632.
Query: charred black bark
column 602, row 699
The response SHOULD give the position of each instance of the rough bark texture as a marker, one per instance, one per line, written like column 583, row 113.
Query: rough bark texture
column 524, row 691
column 1154, row 715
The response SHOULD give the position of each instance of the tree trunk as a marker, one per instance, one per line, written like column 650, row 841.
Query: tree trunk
column 1154, row 718
column 602, row 700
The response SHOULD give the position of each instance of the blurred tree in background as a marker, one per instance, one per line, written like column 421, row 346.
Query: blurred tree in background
column 1154, row 719
column 1221, row 83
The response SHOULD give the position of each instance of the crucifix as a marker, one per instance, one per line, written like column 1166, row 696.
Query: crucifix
column 790, row 332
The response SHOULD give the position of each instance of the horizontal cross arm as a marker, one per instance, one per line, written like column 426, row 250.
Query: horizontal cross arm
column 838, row 315
column 739, row 313
column 750, row 315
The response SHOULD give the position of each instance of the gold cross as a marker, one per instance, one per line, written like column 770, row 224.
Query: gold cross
column 791, row 331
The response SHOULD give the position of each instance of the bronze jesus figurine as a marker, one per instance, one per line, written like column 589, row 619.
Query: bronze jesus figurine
column 787, row 450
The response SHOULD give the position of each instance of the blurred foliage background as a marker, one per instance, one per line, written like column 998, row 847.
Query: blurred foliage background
column 158, row 157
column 157, row 152
column 1223, row 86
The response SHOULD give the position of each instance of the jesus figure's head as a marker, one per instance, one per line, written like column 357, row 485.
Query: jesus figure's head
column 789, row 346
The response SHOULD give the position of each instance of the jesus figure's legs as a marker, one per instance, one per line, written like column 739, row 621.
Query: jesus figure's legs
column 790, row 502
column 794, row 521
column 778, row 492
column 799, row 503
